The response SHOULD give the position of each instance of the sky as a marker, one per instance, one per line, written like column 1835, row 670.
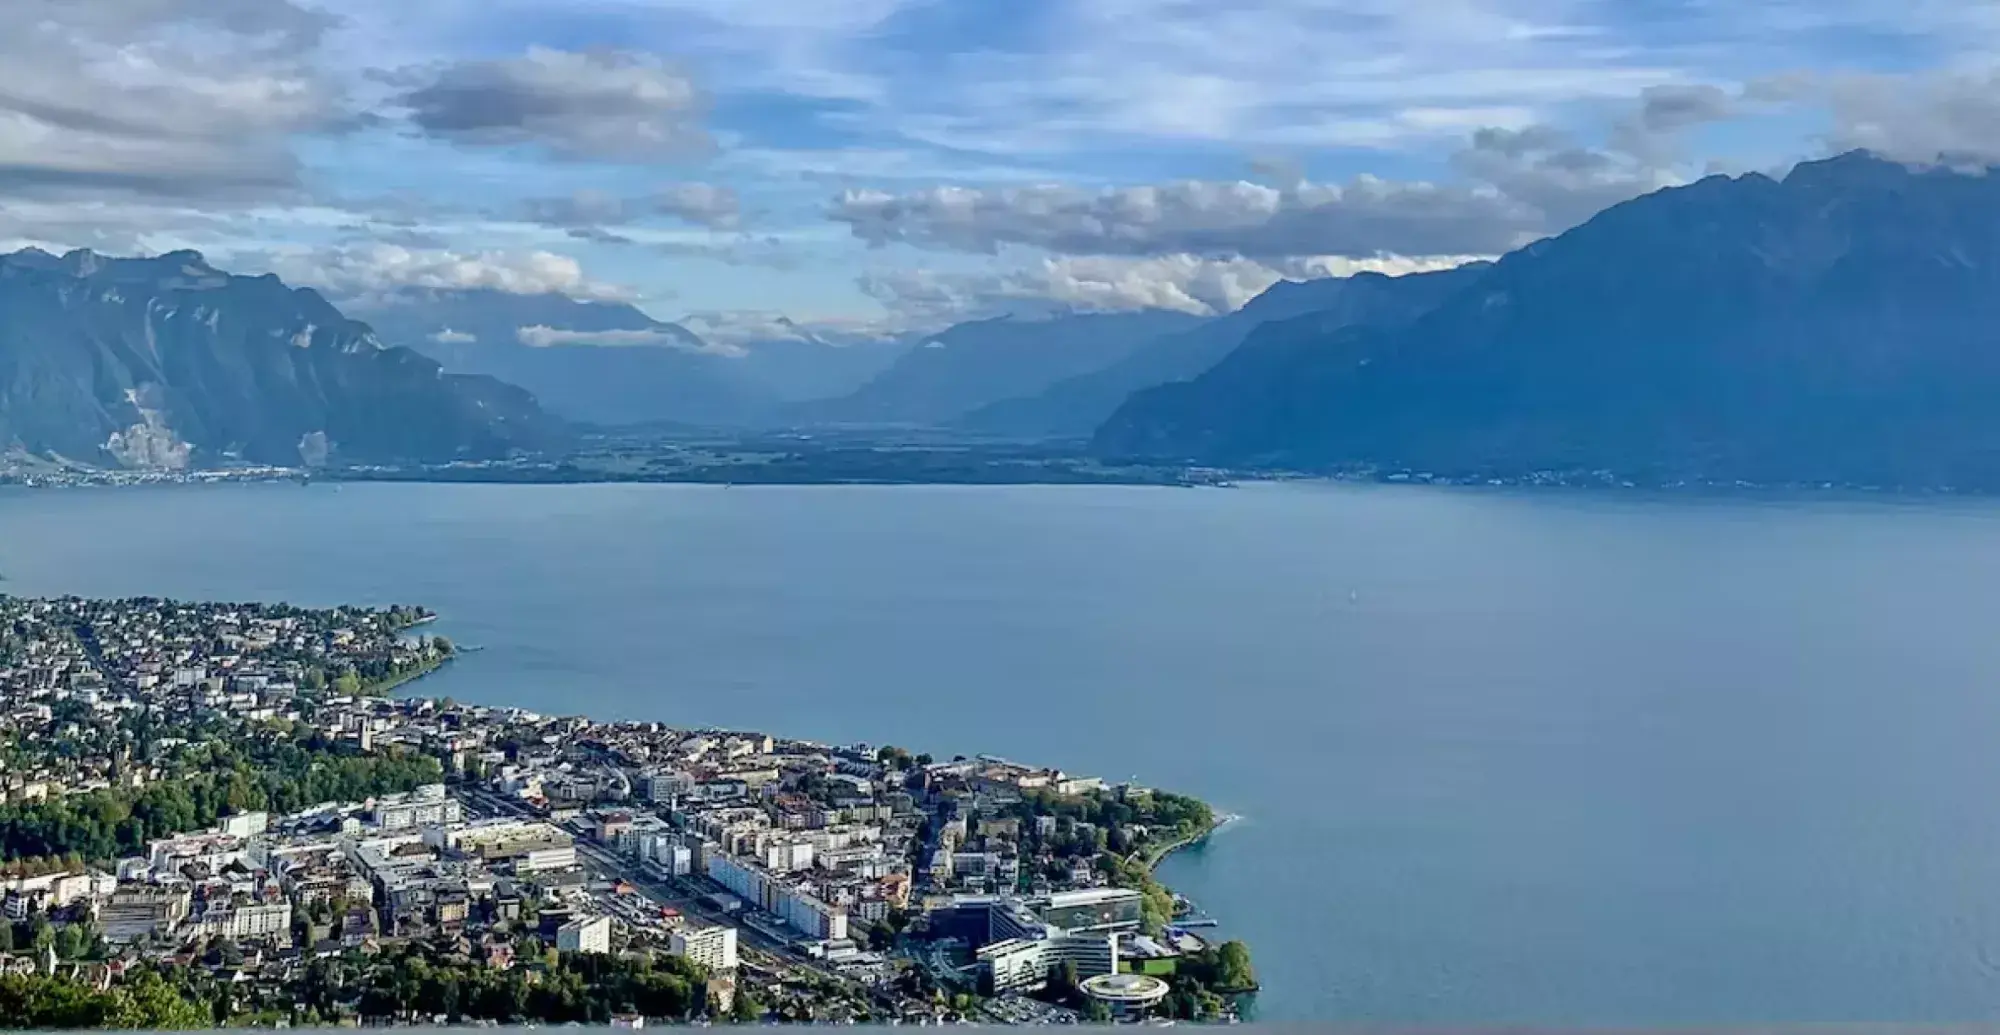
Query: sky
column 871, row 166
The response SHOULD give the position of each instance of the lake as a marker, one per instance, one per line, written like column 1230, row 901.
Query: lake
column 1562, row 757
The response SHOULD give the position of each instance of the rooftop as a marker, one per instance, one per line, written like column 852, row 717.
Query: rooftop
column 1125, row 988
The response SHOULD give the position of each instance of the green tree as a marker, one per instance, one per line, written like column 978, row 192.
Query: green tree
column 1233, row 970
column 72, row 941
column 149, row 1002
column 348, row 684
column 1064, row 982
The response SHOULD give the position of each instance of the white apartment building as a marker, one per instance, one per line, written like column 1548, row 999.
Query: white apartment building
column 260, row 921
column 1024, row 964
column 590, row 934
column 712, row 947
column 422, row 807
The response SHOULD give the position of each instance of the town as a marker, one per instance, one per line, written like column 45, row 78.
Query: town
column 218, row 814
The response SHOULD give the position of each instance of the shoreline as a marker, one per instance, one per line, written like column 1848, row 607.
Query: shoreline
column 390, row 685
column 1160, row 854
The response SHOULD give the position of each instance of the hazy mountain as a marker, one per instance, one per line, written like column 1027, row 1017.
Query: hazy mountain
column 971, row 365
column 1838, row 325
column 808, row 367
column 168, row 362
column 1074, row 407
column 600, row 362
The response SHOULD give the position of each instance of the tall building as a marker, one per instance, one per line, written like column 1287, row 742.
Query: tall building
column 590, row 934
column 712, row 947
column 795, row 905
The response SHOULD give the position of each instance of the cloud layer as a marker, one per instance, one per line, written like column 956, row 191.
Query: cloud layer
column 887, row 163
column 127, row 99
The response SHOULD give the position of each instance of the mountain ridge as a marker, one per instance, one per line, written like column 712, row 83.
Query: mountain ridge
column 970, row 365
column 1076, row 406
column 1835, row 325
column 165, row 361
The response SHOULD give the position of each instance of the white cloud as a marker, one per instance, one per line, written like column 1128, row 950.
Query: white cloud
column 372, row 273
column 1515, row 185
column 703, row 204
column 1955, row 117
column 603, row 105
column 1254, row 73
column 451, row 337
column 158, row 98
column 1365, row 217
column 587, row 212
column 741, row 328
column 542, row 337
column 1183, row 283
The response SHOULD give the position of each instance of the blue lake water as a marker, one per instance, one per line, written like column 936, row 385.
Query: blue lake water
column 1538, row 758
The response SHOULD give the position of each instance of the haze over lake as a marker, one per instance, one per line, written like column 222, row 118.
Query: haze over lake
column 1579, row 758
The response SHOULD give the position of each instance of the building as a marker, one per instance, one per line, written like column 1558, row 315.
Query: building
column 138, row 912
column 664, row 786
column 246, row 824
column 590, row 934
column 788, row 856
column 250, row 922
column 712, row 947
column 612, row 827
column 666, row 851
column 531, row 847
column 793, row 904
column 1092, row 909
column 425, row 806
column 1127, row 996
column 808, row 913
column 1024, row 964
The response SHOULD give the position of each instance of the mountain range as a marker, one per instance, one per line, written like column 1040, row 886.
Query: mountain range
column 965, row 368
column 1074, row 407
column 168, row 362
column 598, row 362
column 1838, row 324
column 1841, row 324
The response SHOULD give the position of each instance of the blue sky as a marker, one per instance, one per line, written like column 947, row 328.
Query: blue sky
column 877, row 164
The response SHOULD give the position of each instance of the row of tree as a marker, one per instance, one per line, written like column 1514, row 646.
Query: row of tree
column 417, row 983
column 221, row 778
column 143, row 1001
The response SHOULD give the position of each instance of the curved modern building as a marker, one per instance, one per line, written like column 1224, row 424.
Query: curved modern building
column 1127, row 995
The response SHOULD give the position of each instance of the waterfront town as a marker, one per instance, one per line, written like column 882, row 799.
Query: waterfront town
column 221, row 815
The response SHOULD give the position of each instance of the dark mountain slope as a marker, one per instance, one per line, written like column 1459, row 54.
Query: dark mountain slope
column 1074, row 407
column 169, row 362
column 1840, row 325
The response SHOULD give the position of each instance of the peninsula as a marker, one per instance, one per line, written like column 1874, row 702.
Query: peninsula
column 215, row 814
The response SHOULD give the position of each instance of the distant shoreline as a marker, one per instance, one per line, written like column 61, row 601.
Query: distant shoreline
column 1133, row 474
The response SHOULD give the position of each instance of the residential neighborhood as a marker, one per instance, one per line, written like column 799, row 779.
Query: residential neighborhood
column 222, row 803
